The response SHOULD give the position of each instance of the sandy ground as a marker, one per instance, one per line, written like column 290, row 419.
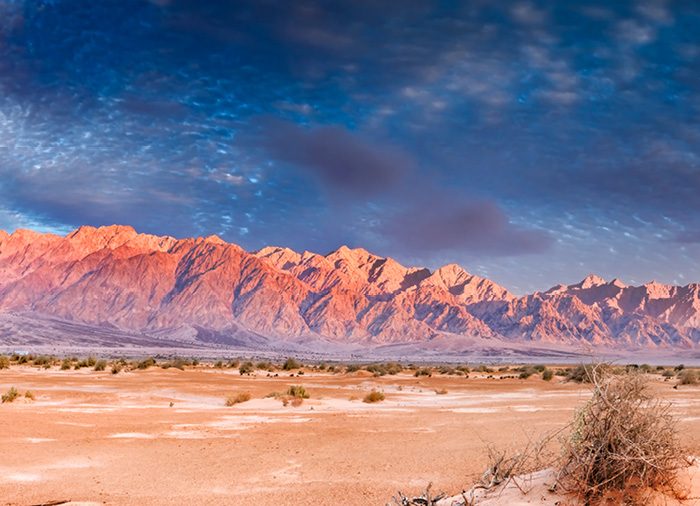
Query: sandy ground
column 98, row 438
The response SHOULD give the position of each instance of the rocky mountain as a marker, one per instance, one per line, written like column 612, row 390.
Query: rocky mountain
column 207, row 291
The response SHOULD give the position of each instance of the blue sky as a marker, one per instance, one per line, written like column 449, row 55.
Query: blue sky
column 533, row 142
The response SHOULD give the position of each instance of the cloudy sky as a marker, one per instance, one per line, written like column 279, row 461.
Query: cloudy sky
column 533, row 142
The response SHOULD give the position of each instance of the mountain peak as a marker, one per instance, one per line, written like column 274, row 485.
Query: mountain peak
column 590, row 281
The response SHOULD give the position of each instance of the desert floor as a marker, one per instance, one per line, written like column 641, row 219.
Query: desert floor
column 99, row 438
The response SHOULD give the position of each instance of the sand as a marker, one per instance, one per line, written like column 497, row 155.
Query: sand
column 97, row 438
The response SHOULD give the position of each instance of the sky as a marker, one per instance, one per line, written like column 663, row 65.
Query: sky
column 533, row 142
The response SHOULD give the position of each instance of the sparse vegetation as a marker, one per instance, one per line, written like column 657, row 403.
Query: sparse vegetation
column 4, row 362
column 374, row 396
column 29, row 395
column 66, row 364
column 100, row 365
column 116, row 368
column 547, row 374
column 10, row 395
column 146, row 363
column 238, row 398
column 424, row 371
column 441, row 391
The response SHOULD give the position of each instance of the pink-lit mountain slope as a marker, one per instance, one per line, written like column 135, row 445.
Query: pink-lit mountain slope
column 205, row 290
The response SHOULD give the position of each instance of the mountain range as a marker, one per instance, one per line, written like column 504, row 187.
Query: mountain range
column 116, row 286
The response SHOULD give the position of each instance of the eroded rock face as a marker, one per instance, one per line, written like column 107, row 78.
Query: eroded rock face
column 114, row 276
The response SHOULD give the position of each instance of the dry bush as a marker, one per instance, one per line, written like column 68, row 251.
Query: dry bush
column 4, row 362
column 238, row 399
column 29, row 395
column 688, row 377
column 622, row 441
column 298, row 391
column 374, row 396
column 10, row 395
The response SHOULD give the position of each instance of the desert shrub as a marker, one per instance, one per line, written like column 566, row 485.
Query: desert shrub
column 4, row 362
column 547, row 374
column 679, row 368
column 29, row 395
column 298, row 391
column 352, row 368
column 234, row 363
column 332, row 368
column 623, row 440
column 688, row 377
column 23, row 359
column 91, row 361
column 66, row 364
column 10, row 395
column 265, row 366
column 390, row 368
column 374, row 396
column 668, row 374
column 42, row 360
column 116, row 368
column 238, row 398
column 246, row 368
column 526, row 372
column 290, row 364
column 100, row 365
column 583, row 373
column 423, row 371
column 176, row 363
column 539, row 367
column 146, row 363
column 219, row 364
column 484, row 368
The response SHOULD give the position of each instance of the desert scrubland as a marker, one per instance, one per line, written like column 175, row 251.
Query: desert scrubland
column 211, row 435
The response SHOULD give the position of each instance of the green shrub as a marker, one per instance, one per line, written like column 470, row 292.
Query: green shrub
column 238, row 399
column 10, row 395
column 374, row 396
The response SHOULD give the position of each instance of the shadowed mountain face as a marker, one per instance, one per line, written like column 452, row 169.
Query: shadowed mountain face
column 207, row 290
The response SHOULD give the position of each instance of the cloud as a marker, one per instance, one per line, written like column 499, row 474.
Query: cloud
column 343, row 161
column 452, row 224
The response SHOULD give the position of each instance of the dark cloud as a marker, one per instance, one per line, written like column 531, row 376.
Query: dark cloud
column 339, row 159
column 450, row 224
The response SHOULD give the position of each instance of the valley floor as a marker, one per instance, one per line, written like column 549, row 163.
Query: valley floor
column 162, row 437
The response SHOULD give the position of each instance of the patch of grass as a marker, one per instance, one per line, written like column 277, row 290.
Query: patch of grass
column 374, row 396
column 238, row 398
column 4, row 362
column 10, row 395
column 29, row 395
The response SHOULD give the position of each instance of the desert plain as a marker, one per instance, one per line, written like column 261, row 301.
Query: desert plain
column 166, row 436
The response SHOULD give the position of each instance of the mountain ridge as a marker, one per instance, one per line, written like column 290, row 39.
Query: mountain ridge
column 209, row 290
